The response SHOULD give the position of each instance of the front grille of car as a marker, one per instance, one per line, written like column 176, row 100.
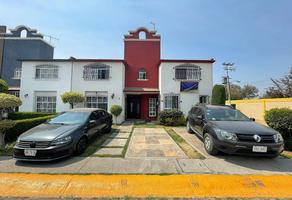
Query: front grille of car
column 32, row 144
column 250, row 138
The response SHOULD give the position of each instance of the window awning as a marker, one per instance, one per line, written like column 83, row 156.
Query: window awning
column 141, row 90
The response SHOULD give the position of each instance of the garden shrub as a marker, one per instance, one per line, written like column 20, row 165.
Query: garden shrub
column 171, row 118
column 27, row 115
column 218, row 95
column 280, row 119
column 23, row 125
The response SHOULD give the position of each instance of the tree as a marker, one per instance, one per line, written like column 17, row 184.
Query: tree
column 282, row 87
column 235, row 92
column 249, row 91
column 116, row 110
column 72, row 98
column 7, row 102
column 3, row 86
column 218, row 95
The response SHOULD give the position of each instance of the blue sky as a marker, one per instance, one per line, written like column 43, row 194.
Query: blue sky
column 254, row 34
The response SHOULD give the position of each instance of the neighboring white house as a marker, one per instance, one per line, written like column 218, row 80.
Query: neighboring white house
column 142, row 83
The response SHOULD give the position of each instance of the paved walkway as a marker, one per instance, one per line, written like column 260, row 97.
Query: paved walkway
column 115, row 144
column 153, row 143
column 168, row 186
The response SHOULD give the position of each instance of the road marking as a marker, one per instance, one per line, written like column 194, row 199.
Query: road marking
column 181, row 186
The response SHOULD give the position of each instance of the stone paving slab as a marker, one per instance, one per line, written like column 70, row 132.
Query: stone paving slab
column 114, row 143
column 109, row 151
column 153, row 143
column 120, row 135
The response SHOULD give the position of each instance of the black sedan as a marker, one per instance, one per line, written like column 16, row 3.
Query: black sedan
column 63, row 135
column 225, row 129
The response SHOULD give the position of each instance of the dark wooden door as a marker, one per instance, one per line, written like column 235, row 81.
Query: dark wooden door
column 133, row 107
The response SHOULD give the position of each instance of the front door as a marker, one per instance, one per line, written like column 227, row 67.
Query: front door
column 133, row 106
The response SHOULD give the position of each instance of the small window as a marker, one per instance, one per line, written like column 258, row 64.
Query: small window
column 204, row 99
column 171, row 102
column 142, row 74
column 46, row 72
column 96, row 100
column 46, row 102
column 23, row 34
column 187, row 72
column 96, row 72
column 17, row 73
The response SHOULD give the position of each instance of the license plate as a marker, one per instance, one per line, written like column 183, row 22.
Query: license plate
column 262, row 149
column 30, row 152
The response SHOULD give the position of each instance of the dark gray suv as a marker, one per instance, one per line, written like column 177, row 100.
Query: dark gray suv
column 225, row 129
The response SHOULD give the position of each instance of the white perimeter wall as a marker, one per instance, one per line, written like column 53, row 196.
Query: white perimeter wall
column 29, row 85
column 168, row 84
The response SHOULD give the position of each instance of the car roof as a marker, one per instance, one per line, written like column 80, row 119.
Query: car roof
column 216, row 106
column 84, row 110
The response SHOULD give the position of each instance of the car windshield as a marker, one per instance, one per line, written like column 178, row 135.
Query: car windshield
column 224, row 114
column 70, row 118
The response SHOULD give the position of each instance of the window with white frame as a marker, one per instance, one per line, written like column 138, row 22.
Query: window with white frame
column 45, row 101
column 17, row 73
column 204, row 99
column 187, row 72
column 142, row 74
column 171, row 102
column 152, row 107
column 46, row 71
column 96, row 100
column 96, row 72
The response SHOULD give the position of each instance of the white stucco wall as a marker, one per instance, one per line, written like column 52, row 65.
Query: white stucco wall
column 74, row 71
column 168, row 84
column 114, row 85
column 29, row 84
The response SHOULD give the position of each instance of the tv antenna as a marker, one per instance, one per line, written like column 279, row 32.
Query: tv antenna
column 154, row 25
column 51, row 38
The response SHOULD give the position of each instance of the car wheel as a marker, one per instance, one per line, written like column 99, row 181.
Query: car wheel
column 189, row 127
column 81, row 146
column 209, row 145
column 108, row 128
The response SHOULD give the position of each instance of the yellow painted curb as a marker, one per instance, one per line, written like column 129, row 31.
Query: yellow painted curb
column 87, row 186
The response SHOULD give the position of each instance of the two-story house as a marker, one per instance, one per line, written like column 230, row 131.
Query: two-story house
column 142, row 83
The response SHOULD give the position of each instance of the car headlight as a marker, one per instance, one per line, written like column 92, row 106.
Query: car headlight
column 63, row 140
column 278, row 138
column 17, row 141
column 225, row 135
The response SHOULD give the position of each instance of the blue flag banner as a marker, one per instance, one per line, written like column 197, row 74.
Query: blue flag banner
column 188, row 86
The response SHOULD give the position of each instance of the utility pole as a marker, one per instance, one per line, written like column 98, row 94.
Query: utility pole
column 228, row 67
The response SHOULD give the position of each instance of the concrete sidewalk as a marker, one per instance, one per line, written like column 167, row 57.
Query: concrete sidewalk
column 100, row 165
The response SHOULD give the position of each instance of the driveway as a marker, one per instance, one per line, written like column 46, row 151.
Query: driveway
column 231, row 164
column 153, row 143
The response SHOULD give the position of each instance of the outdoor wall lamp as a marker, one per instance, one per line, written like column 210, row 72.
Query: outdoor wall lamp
column 26, row 95
column 113, row 95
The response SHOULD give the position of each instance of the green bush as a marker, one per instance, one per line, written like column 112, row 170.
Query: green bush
column 218, row 95
column 116, row 110
column 3, row 86
column 23, row 125
column 171, row 118
column 280, row 119
column 72, row 98
column 27, row 115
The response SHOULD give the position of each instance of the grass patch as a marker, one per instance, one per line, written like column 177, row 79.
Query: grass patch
column 188, row 149
column 287, row 154
column 8, row 151
column 127, row 144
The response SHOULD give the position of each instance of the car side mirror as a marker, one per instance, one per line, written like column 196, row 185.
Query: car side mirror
column 200, row 117
column 252, row 119
column 92, row 123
